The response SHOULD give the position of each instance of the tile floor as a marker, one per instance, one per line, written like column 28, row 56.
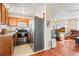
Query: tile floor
column 22, row 50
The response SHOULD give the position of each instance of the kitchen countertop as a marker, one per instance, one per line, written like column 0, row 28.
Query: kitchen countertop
column 8, row 34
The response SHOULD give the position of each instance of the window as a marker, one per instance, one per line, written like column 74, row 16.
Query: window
column 22, row 25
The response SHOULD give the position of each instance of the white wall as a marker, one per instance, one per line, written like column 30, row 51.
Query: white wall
column 49, row 17
column 78, row 24
column 40, row 12
column 72, row 24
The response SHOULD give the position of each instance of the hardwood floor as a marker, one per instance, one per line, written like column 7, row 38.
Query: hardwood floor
column 63, row 48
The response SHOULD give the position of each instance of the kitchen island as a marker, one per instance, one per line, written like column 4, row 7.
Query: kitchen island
column 7, row 43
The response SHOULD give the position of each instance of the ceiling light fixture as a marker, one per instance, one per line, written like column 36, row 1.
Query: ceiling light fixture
column 23, row 12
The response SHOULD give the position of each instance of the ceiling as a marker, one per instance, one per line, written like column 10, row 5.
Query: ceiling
column 58, row 10
column 23, row 9
column 63, row 10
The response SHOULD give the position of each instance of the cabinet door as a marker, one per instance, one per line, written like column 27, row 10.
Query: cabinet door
column 7, row 46
column 29, row 21
column 12, row 21
column 0, row 12
column 25, row 22
column 3, row 14
column 7, row 19
column 20, row 20
column 1, row 46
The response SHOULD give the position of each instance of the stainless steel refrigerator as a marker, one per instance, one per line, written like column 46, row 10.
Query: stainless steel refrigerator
column 37, row 34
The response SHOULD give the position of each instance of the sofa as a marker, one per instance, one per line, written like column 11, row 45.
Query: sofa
column 73, row 34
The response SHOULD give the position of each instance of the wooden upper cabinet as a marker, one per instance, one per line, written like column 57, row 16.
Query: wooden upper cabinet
column 12, row 21
column 25, row 21
column 3, row 14
column 29, row 21
column 7, row 19
column 20, row 19
column 0, row 12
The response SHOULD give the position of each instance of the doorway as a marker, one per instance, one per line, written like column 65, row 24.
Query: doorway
column 34, row 40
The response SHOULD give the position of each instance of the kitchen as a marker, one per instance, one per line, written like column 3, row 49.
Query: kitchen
column 18, row 30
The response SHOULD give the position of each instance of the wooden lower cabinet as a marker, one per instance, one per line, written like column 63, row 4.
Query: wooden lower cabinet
column 6, row 46
column 1, row 47
column 16, row 39
column 28, row 37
